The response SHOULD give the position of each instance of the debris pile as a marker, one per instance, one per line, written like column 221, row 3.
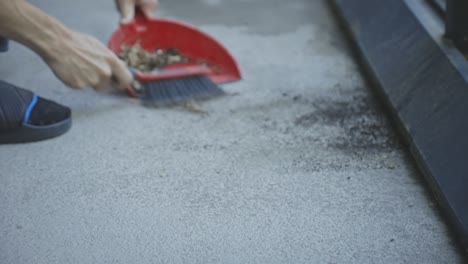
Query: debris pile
column 145, row 61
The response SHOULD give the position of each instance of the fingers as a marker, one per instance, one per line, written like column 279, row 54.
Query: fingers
column 127, row 10
column 121, row 77
column 148, row 7
column 113, row 75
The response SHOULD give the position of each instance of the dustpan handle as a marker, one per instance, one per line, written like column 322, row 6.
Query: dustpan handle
column 140, row 21
column 140, row 18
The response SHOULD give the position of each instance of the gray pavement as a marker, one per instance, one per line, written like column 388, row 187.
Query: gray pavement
column 296, row 165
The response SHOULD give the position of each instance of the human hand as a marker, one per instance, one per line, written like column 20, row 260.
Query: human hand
column 127, row 9
column 78, row 60
column 82, row 61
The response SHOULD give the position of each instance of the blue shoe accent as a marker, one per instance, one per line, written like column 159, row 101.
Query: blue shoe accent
column 3, row 44
column 29, row 109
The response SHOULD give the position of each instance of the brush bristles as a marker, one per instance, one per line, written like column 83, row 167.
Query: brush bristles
column 178, row 91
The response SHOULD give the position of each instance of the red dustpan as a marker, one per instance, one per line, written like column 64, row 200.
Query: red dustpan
column 193, row 43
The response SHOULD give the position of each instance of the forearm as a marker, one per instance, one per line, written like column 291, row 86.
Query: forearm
column 77, row 59
column 24, row 23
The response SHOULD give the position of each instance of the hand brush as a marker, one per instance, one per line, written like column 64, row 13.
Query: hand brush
column 174, row 86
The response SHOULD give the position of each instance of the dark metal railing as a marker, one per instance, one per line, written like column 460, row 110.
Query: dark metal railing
column 456, row 26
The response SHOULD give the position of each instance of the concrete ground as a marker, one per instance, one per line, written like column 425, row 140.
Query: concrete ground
column 296, row 165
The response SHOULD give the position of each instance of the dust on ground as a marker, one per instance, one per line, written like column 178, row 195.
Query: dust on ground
column 361, row 124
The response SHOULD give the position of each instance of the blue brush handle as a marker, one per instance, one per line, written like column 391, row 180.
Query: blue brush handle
column 3, row 44
column 133, row 71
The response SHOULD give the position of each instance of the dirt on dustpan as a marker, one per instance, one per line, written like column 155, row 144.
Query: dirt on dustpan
column 145, row 61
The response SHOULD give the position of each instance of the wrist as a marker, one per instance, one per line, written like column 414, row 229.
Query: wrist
column 50, row 42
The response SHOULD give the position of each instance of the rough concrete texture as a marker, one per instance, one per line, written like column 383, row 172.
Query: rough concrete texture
column 296, row 165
